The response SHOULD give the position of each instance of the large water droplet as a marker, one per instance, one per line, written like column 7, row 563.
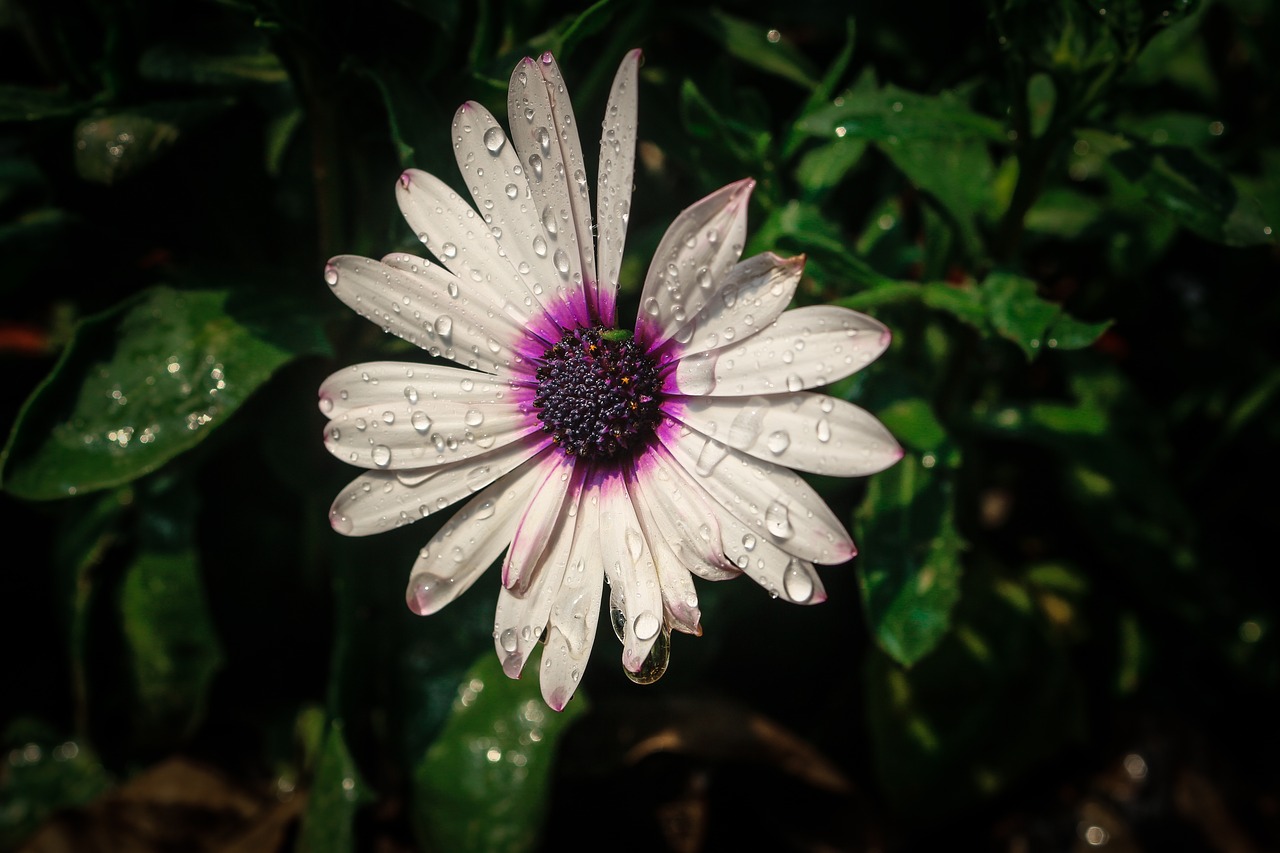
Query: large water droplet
column 562, row 261
column 543, row 138
column 745, row 428
column 381, row 455
column 509, row 640
column 474, row 417
column 824, row 430
column 778, row 442
column 749, row 542
column 535, row 166
column 420, row 421
column 778, row 522
column 794, row 383
column 411, row 394
column 512, row 191
column 655, row 665
column 425, row 592
column 444, row 327
column 549, row 220
column 449, row 251
column 540, row 246
column 494, row 140
column 646, row 625
column 796, row 583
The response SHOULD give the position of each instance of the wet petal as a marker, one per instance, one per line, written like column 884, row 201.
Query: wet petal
column 498, row 183
column 409, row 297
column 521, row 618
column 378, row 501
column 546, row 138
column 781, row 574
column 575, row 613
column 628, row 562
column 470, row 541
column 613, row 185
column 770, row 500
column 459, row 238
column 804, row 348
column 753, row 294
column 678, row 511
column 805, row 431
column 394, row 416
column 551, row 501
column 692, row 260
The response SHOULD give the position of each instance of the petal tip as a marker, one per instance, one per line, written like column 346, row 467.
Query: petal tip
column 558, row 699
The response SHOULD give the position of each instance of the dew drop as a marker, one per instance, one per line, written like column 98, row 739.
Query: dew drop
column 381, row 455
column 778, row 522
column 549, row 220
column 473, row 417
column 562, row 261
column 509, row 640
column 535, row 165
column 749, row 542
column 420, row 421
column 411, row 394
column 712, row 453
column 794, row 382
column 646, row 626
column 494, row 140
column 543, row 138
column 655, row 665
column 331, row 276
column 444, row 326
column 796, row 583
column 540, row 246
column 449, row 251
column 512, row 191
column 778, row 442
column 824, row 430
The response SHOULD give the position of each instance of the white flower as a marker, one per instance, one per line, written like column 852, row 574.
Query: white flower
column 587, row 452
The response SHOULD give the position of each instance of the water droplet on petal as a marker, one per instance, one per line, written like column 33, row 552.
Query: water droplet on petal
column 562, row 261
column 473, row 417
column 509, row 640
column 778, row 522
column 494, row 140
column 512, row 191
column 794, row 383
column 655, row 665
column 778, row 442
column 824, row 430
column 796, row 583
column 381, row 455
column 420, row 421
column 540, row 246
column 449, row 251
column 646, row 625
column 543, row 138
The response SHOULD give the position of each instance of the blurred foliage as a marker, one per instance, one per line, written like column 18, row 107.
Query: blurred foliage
column 1059, row 624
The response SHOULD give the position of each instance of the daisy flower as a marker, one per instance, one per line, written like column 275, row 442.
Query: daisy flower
column 586, row 452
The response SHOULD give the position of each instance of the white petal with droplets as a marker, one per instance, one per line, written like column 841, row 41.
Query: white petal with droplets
column 805, row 431
column 804, row 348
column 751, row 297
column 616, row 173
column 521, row 618
column 781, row 574
column 452, row 230
column 378, row 501
column 409, row 297
column 628, row 563
column 771, row 500
column 470, row 541
column 551, row 501
column 545, row 135
column 670, row 554
column 692, row 260
column 571, row 626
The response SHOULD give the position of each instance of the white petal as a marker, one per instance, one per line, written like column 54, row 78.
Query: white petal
column 803, row 348
column 575, row 613
column 770, row 500
column 453, row 231
column 470, row 541
column 780, row 573
column 679, row 598
column 378, row 501
column 754, row 293
column 809, row 432
column 521, row 618
column 546, row 138
column 550, row 504
column 616, row 173
column 398, row 416
column 498, row 183
column 409, row 297
column 675, row 509
column 691, row 262
column 633, row 577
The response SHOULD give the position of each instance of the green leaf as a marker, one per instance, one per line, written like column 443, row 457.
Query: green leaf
column 910, row 570
column 483, row 785
column 957, row 173
column 173, row 648
column 43, row 774
column 749, row 42
column 866, row 112
column 1017, row 312
column 142, row 383
column 337, row 792
column 1067, row 332
column 1196, row 194
column 179, row 63
column 824, row 167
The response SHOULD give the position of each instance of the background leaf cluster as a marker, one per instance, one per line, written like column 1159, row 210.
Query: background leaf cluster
column 1061, row 622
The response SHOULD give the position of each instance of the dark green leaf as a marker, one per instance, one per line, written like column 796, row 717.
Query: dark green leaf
column 891, row 112
column 910, row 569
column 1017, row 312
column 337, row 792
column 483, row 785
column 179, row 63
column 824, row 167
column 141, row 384
column 750, row 43
column 1196, row 194
column 173, row 649
column 43, row 774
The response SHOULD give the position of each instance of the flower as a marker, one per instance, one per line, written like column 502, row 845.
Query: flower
column 588, row 452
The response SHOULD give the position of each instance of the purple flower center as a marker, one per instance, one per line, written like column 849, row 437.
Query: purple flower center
column 597, row 393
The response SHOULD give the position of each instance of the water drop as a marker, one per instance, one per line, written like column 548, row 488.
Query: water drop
column 420, row 421
column 794, row 383
column 778, row 522
column 509, row 640
column 824, row 430
column 444, row 326
column 778, row 442
column 796, row 583
column 709, row 457
column 646, row 626
column 549, row 220
column 411, row 394
column 749, row 542
column 474, row 417
column 543, row 137
column 331, row 276
column 655, row 665
column 562, row 261
column 512, row 191
column 540, row 246
column 381, row 455
column 449, row 251
column 535, row 164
